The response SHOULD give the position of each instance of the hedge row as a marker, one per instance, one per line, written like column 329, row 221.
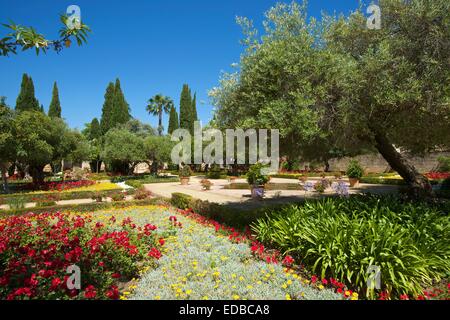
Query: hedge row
column 88, row 207
column 60, row 195
column 233, row 216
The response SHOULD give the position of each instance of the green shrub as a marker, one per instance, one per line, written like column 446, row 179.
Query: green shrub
column 44, row 204
column 255, row 176
column 185, row 171
column 142, row 194
column 214, row 173
column 341, row 238
column 119, row 196
column 135, row 184
column 16, row 203
column 354, row 170
column 444, row 164
column 181, row 200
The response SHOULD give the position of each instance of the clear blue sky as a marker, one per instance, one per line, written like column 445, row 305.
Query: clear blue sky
column 153, row 46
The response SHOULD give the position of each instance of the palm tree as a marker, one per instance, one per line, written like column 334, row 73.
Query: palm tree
column 157, row 105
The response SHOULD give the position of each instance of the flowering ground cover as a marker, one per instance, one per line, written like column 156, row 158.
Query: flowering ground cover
column 203, row 260
column 36, row 250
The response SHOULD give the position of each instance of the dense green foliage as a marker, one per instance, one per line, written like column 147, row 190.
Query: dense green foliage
column 173, row 120
column 122, row 150
column 338, row 82
column 26, row 101
column 116, row 110
column 341, row 238
column 255, row 177
column 54, row 111
column 188, row 109
column 158, row 105
column 354, row 170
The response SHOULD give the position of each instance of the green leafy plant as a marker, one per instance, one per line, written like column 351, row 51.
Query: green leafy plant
column 255, row 176
column 354, row 170
column 342, row 238
column 185, row 172
column 181, row 200
column 16, row 203
column 142, row 194
column 444, row 164
column 119, row 196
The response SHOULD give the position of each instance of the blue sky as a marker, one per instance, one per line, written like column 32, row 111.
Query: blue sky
column 153, row 46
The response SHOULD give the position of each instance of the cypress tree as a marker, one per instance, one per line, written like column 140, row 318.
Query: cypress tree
column 121, row 110
column 194, row 109
column 186, row 109
column 173, row 120
column 107, row 109
column 54, row 111
column 26, row 101
column 95, row 130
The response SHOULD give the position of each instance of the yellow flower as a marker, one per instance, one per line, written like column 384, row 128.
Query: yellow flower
column 188, row 292
column 236, row 297
column 233, row 276
column 321, row 287
column 289, row 282
column 249, row 287
column 241, row 278
column 288, row 297
column 205, row 298
column 157, row 298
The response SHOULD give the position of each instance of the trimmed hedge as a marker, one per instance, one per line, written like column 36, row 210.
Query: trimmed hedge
column 94, row 206
column 61, row 195
column 232, row 216
column 269, row 186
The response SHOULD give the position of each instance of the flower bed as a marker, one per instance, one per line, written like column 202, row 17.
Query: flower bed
column 205, row 260
column 342, row 238
column 61, row 186
column 36, row 250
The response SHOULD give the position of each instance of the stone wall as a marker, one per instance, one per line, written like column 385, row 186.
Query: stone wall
column 374, row 163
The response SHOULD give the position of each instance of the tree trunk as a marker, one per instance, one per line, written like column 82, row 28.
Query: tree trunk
column 419, row 184
column 4, row 169
column 37, row 174
column 327, row 166
column 160, row 124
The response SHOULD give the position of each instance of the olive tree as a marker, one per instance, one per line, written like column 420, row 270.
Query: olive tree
column 385, row 89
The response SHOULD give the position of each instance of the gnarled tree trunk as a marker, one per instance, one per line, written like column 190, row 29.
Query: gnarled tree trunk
column 4, row 169
column 419, row 184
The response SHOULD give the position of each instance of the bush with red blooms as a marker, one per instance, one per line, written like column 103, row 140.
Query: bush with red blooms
column 36, row 250
column 60, row 186
column 438, row 175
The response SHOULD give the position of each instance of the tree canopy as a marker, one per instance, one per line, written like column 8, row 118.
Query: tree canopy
column 158, row 105
column 54, row 110
column 26, row 101
column 335, row 79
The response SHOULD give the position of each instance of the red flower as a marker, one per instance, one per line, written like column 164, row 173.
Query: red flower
column 404, row 297
column 155, row 253
column 324, row 282
column 288, row 261
column 56, row 282
column 90, row 292
column 161, row 241
column 116, row 275
column 113, row 293
column 313, row 279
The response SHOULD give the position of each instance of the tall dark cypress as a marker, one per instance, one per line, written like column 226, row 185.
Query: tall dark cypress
column 95, row 130
column 186, row 109
column 26, row 101
column 121, row 110
column 194, row 108
column 108, row 105
column 173, row 120
column 54, row 110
